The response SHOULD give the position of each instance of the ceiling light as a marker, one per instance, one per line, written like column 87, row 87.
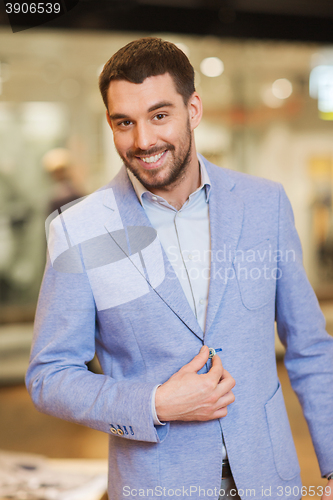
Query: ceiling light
column 321, row 88
column 282, row 88
column 212, row 66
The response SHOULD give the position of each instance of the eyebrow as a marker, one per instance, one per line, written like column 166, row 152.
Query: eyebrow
column 118, row 116
column 162, row 104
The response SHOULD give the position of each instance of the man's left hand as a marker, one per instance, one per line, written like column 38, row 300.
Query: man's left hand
column 328, row 495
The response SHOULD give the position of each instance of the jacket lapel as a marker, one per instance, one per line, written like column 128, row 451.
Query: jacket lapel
column 121, row 202
column 226, row 219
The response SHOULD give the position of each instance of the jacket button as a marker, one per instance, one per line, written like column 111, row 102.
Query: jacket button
column 113, row 430
column 120, row 432
column 212, row 352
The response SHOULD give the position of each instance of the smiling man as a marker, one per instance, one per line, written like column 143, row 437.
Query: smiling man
column 174, row 267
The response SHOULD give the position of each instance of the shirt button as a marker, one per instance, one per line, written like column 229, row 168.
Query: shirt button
column 154, row 198
column 190, row 256
column 202, row 301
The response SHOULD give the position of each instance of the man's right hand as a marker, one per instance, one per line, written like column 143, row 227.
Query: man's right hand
column 189, row 396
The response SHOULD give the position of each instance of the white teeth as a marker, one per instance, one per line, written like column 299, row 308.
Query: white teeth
column 152, row 159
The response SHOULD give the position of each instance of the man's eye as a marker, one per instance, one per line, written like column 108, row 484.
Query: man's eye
column 125, row 123
column 160, row 116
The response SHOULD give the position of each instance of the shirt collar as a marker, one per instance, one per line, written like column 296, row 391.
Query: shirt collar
column 204, row 183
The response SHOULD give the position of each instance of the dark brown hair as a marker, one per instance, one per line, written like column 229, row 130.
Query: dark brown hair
column 147, row 57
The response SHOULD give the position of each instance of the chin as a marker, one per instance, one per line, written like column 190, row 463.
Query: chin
column 154, row 178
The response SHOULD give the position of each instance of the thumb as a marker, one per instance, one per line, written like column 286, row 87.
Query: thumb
column 199, row 360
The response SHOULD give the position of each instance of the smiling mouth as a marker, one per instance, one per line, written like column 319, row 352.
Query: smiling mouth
column 153, row 158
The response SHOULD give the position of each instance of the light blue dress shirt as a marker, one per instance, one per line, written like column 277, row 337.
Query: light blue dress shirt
column 185, row 237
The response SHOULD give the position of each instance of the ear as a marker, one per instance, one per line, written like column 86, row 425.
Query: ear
column 108, row 119
column 195, row 110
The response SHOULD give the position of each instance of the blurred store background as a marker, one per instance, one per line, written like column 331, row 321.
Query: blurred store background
column 265, row 75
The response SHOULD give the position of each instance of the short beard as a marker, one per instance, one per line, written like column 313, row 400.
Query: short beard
column 177, row 170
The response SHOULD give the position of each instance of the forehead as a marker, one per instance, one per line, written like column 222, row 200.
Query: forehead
column 123, row 94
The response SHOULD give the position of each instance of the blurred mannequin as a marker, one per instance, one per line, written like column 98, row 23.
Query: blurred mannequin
column 58, row 163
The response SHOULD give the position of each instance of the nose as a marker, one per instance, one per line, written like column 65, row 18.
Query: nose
column 145, row 136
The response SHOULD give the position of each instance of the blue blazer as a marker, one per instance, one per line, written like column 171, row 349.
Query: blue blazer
column 109, row 287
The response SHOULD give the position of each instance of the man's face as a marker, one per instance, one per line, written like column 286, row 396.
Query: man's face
column 152, row 129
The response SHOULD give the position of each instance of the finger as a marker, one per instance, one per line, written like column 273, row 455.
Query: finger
column 221, row 413
column 227, row 384
column 199, row 360
column 226, row 375
column 225, row 400
column 223, row 404
column 216, row 371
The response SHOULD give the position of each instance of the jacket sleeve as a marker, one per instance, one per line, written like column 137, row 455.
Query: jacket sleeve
column 64, row 341
column 309, row 349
